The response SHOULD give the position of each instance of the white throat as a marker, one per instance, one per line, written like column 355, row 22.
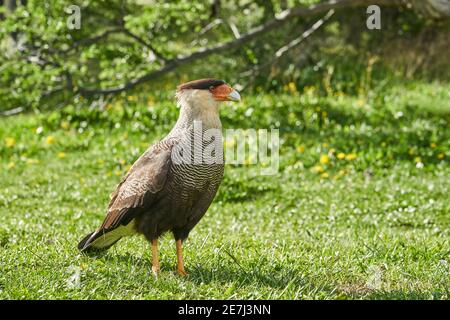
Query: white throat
column 198, row 105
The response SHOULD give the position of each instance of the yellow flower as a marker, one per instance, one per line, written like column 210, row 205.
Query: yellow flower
column 118, row 173
column 11, row 165
column 324, row 114
column 122, row 162
column 309, row 90
column 317, row 169
column 61, row 155
column 341, row 155
column 351, row 156
column 441, row 156
column 132, row 98
column 292, row 87
column 50, row 140
column 324, row 175
column 433, row 145
column 360, row 102
column 32, row 161
column 65, row 125
column 417, row 159
column 324, row 159
column 325, row 145
column 301, row 148
column 230, row 143
column 10, row 142
column 411, row 151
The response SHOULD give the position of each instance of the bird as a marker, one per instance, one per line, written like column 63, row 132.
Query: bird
column 169, row 188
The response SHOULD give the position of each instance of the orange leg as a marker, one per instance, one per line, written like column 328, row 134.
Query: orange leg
column 180, row 264
column 155, row 260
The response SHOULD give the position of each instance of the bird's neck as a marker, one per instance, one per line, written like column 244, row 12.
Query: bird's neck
column 204, row 111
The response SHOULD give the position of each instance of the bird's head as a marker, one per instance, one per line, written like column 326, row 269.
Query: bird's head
column 205, row 93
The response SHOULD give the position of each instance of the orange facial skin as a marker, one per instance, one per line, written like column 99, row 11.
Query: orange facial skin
column 221, row 92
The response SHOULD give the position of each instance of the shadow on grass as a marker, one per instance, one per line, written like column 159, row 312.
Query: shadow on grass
column 276, row 279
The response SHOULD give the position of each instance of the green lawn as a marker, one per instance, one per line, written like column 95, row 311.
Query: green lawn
column 372, row 225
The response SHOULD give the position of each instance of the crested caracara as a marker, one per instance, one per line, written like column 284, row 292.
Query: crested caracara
column 165, row 190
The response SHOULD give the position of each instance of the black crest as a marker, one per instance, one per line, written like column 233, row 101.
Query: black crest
column 201, row 84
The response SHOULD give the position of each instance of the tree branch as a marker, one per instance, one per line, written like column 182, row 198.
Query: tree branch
column 283, row 50
column 278, row 21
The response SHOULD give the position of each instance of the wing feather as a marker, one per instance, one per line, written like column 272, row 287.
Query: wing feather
column 139, row 187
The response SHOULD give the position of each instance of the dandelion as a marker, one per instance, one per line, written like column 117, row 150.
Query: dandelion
column 32, row 161
column 230, row 143
column 360, row 102
column 317, row 169
column 118, row 173
column 61, row 155
column 324, row 159
column 301, row 148
column 417, row 159
column 441, row 156
column 309, row 90
column 341, row 155
column 10, row 142
column 132, row 98
column 324, row 175
column 350, row 156
column 11, row 165
column 65, row 125
column 50, row 140
column 292, row 87
column 122, row 162
column 433, row 145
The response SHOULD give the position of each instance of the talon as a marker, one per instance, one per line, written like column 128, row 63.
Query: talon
column 181, row 272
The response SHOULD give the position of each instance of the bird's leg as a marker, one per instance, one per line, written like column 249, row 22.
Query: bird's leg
column 180, row 264
column 155, row 260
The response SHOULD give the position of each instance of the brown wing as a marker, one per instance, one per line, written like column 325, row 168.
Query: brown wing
column 139, row 187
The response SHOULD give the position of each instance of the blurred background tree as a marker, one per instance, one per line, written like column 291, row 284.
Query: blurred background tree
column 149, row 45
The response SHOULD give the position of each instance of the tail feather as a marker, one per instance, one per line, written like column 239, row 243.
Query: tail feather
column 102, row 240
column 98, row 241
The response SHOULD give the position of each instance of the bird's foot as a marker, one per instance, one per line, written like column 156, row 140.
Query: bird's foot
column 155, row 270
column 181, row 272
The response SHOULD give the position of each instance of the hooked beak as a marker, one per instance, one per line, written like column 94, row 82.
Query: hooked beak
column 234, row 96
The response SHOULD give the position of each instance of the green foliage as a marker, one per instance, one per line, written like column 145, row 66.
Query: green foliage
column 45, row 65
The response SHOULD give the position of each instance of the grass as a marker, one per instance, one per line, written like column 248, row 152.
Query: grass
column 374, row 225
